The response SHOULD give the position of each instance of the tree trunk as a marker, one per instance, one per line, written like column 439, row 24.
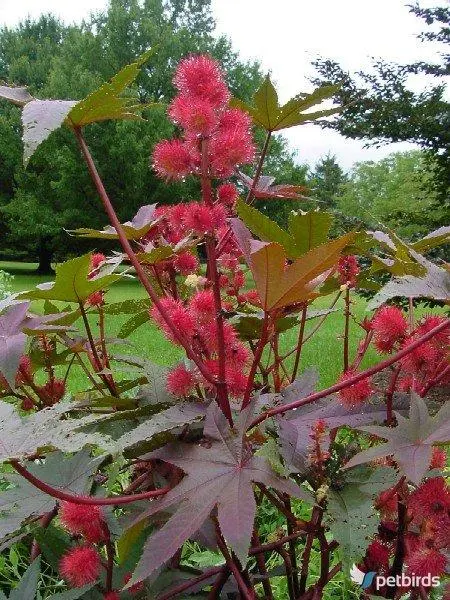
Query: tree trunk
column 45, row 257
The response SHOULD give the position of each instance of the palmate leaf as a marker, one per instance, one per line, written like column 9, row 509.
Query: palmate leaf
column 135, row 229
column 411, row 442
column 45, row 430
column 435, row 284
column 305, row 230
column 267, row 112
column 72, row 283
column 280, row 286
column 350, row 513
column 106, row 102
column 295, row 428
column 27, row 586
column 220, row 476
column 25, row 501
column 41, row 117
column 401, row 259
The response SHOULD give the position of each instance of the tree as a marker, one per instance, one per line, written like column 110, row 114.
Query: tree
column 327, row 180
column 382, row 108
column 393, row 192
column 57, row 61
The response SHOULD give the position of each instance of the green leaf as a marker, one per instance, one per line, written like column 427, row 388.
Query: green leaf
column 309, row 230
column 26, row 590
column 72, row 283
column 436, row 238
column 267, row 112
column 129, row 539
column 131, row 324
column 270, row 451
column 306, row 230
column 127, row 307
column 266, row 102
column 54, row 543
column 350, row 513
column 106, row 102
column 265, row 228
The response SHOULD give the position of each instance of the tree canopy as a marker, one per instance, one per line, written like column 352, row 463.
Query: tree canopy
column 59, row 61
column 393, row 192
column 382, row 107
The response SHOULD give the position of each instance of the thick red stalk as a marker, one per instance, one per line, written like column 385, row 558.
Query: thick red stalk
column 78, row 499
column 256, row 359
column 246, row 593
column 351, row 380
column 178, row 335
column 301, row 335
column 346, row 328
column 222, row 390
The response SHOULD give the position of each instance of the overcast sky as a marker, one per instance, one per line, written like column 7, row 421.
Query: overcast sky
column 284, row 35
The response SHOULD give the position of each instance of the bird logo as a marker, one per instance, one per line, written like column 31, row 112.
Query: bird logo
column 364, row 580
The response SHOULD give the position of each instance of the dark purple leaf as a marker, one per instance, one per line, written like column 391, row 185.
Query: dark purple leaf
column 221, row 476
column 411, row 442
column 295, row 428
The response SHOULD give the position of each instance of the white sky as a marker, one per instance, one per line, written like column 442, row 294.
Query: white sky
column 284, row 35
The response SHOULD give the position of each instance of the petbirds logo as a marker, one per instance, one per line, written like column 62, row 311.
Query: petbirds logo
column 364, row 580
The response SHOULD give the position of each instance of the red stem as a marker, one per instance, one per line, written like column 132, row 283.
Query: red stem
column 301, row 335
column 351, row 380
column 78, row 499
column 222, row 390
column 390, row 395
column 182, row 587
column 346, row 328
column 256, row 359
column 177, row 334
column 435, row 380
column 246, row 593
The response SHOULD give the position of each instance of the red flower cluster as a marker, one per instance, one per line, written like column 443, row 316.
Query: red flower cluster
column 197, row 321
column 80, row 566
column 348, row 270
column 85, row 520
column 428, row 530
column 354, row 394
column 200, row 108
column 389, row 328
